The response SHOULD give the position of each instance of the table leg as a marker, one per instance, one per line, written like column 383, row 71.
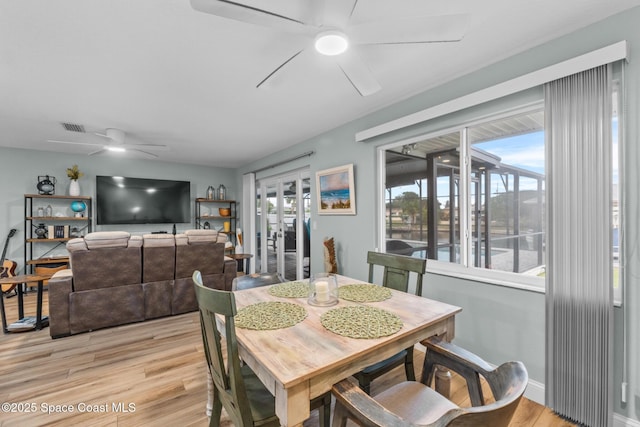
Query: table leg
column 20, row 302
column 247, row 266
column 443, row 381
column 4, row 316
column 39, row 306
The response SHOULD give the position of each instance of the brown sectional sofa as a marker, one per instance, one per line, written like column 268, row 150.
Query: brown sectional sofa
column 116, row 278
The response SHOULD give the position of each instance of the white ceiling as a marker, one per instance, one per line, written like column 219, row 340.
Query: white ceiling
column 167, row 74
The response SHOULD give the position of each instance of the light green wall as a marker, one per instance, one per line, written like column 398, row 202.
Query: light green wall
column 498, row 323
column 21, row 169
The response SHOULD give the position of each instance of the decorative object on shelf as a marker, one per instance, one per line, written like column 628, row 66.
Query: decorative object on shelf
column 222, row 192
column 227, row 226
column 211, row 193
column 48, row 211
column 74, row 188
column 41, row 231
column 74, row 174
column 46, row 185
column 78, row 206
column 239, row 248
column 40, row 211
column 323, row 290
column 206, row 225
column 224, row 211
column 74, row 232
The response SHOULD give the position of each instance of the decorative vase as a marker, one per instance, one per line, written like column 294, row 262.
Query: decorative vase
column 74, row 188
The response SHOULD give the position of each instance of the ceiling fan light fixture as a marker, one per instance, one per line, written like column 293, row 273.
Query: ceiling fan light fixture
column 116, row 149
column 331, row 42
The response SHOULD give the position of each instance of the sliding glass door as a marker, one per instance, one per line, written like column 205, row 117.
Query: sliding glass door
column 283, row 229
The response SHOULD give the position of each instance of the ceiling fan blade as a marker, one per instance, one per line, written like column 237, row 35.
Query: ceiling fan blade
column 73, row 142
column 426, row 29
column 100, row 151
column 143, row 152
column 277, row 70
column 245, row 13
column 159, row 147
column 358, row 73
column 336, row 13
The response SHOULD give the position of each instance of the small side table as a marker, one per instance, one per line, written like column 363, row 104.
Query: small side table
column 239, row 258
column 20, row 280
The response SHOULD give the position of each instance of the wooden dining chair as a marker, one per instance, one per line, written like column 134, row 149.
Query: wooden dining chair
column 232, row 384
column 248, row 281
column 412, row 403
column 397, row 269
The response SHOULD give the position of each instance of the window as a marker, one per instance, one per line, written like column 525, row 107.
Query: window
column 472, row 196
column 494, row 219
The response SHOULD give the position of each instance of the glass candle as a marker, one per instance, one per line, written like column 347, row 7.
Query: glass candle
column 323, row 289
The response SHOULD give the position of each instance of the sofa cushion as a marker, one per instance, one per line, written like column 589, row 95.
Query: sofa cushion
column 158, row 257
column 106, row 268
column 158, row 240
column 107, row 239
column 200, row 236
column 76, row 244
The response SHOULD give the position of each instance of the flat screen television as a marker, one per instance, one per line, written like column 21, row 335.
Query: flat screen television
column 121, row 200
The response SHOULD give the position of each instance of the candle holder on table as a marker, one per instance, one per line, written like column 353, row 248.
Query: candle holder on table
column 323, row 289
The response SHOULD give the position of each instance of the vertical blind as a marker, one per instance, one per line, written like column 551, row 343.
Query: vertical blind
column 579, row 297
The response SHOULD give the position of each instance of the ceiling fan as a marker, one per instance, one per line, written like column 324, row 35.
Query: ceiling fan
column 325, row 26
column 116, row 143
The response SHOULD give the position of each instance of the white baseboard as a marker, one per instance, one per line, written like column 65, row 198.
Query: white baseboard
column 622, row 421
column 535, row 392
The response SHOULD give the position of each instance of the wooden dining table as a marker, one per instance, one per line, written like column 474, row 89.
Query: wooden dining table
column 302, row 362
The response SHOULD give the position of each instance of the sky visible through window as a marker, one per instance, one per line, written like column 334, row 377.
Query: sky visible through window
column 524, row 151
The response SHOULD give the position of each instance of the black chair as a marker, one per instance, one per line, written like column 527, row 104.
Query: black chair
column 395, row 276
column 307, row 249
column 249, row 281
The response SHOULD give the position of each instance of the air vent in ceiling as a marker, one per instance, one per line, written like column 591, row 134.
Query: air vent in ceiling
column 72, row 127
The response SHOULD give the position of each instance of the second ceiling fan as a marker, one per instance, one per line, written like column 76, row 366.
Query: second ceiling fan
column 116, row 143
column 324, row 24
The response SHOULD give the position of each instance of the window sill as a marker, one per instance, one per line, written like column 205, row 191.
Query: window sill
column 492, row 277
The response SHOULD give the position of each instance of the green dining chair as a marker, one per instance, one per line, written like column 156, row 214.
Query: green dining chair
column 397, row 269
column 233, row 385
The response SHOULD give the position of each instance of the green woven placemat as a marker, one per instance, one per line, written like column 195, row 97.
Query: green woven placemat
column 361, row 322
column 270, row 315
column 364, row 292
column 290, row 290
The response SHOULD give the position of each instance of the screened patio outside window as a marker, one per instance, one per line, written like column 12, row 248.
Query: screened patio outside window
column 505, row 187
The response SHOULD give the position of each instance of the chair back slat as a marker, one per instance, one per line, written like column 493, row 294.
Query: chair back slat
column 397, row 269
column 227, row 377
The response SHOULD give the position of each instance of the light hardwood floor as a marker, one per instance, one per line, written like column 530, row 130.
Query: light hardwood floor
column 145, row 374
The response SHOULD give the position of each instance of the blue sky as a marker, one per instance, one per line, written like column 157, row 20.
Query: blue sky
column 524, row 151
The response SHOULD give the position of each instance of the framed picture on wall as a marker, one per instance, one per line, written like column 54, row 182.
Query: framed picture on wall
column 336, row 191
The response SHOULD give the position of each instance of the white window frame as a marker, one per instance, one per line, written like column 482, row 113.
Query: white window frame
column 465, row 269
